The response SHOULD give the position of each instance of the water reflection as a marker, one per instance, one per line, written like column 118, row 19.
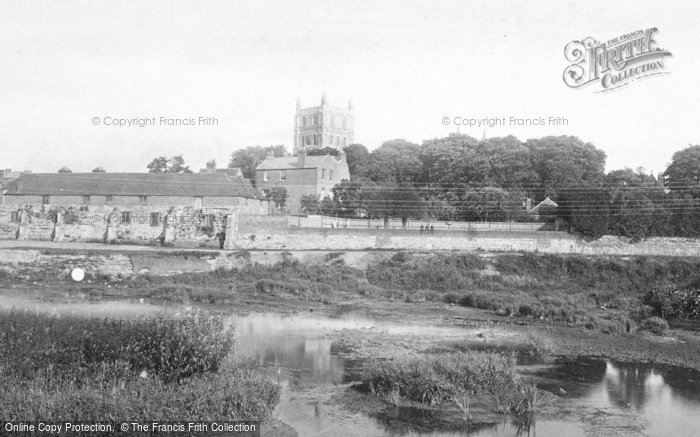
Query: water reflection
column 667, row 398
column 297, row 349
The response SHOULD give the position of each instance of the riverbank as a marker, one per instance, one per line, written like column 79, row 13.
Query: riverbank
column 542, row 309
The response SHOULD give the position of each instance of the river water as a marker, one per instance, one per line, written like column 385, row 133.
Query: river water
column 298, row 351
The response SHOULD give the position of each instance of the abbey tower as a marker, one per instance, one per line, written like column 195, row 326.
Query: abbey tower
column 323, row 126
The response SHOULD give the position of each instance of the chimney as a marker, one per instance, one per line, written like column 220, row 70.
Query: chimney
column 211, row 166
column 302, row 158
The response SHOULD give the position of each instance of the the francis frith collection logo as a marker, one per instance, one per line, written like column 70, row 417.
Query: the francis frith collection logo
column 615, row 63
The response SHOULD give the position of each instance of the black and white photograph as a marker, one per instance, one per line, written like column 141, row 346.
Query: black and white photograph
column 350, row 218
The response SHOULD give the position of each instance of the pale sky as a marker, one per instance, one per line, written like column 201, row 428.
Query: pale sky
column 405, row 65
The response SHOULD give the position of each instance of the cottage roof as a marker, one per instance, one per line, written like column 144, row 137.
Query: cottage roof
column 546, row 205
column 133, row 184
column 292, row 162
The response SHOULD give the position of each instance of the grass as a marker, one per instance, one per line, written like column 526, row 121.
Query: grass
column 56, row 367
column 555, row 287
column 455, row 378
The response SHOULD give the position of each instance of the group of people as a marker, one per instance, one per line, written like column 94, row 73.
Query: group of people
column 427, row 229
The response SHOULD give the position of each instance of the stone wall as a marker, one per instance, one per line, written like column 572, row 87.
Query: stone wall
column 273, row 234
column 145, row 225
column 8, row 229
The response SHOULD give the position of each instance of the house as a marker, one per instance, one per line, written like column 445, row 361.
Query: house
column 302, row 175
column 197, row 190
column 546, row 211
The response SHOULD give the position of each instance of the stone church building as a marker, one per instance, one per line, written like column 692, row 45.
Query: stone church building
column 323, row 126
column 302, row 174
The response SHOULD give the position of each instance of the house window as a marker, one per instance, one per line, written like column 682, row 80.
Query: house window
column 283, row 175
column 155, row 219
column 266, row 178
column 330, row 175
column 126, row 217
column 109, row 200
column 14, row 217
column 323, row 175
column 86, row 200
column 308, row 140
column 69, row 218
column 315, row 140
column 143, row 200
column 45, row 200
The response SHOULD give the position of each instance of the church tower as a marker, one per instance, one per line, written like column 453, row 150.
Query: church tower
column 322, row 126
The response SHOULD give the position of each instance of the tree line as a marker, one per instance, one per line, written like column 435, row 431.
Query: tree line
column 461, row 178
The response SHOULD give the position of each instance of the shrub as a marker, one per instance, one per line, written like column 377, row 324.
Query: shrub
column 656, row 325
column 58, row 367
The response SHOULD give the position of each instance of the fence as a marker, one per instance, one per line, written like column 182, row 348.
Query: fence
column 317, row 221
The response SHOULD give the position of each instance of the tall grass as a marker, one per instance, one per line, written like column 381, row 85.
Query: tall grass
column 58, row 367
column 456, row 378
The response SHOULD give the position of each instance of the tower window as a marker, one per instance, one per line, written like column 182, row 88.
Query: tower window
column 303, row 120
column 315, row 119
column 330, row 175
column 323, row 175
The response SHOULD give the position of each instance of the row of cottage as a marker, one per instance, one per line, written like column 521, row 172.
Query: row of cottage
column 211, row 188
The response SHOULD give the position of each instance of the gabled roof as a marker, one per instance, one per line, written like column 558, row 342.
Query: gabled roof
column 546, row 204
column 292, row 162
column 133, row 184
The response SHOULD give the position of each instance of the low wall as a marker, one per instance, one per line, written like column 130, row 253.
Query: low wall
column 152, row 225
column 272, row 235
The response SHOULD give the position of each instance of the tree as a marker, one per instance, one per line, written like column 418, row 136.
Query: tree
column 249, row 158
column 161, row 164
column 395, row 200
column 683, row 174
column 637, row 205
column 278, row 195
column 65, row 169
column 351, row 197
column 395, row 161
column 586, row 209
column 564, row 162
column 357, row 156
column 99, row 170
